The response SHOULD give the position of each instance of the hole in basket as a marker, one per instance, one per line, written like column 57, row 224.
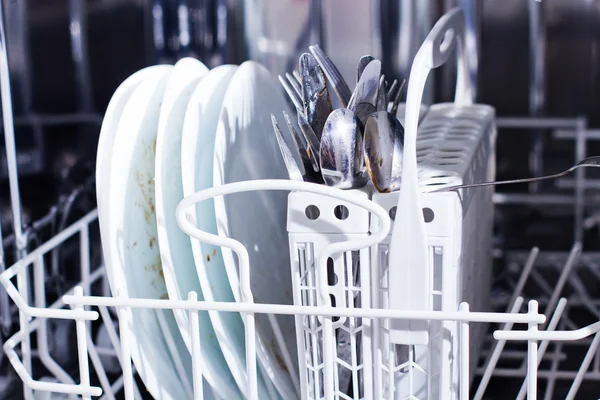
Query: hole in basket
column 448, row 163
column 435, row 183
column 312, row 212
column 450, row 157
column 393, row 213
column 452, row 151
column 332, row 298
column 428, row 214
column 341, row 212
column 447, row 40
column 332, row 278
column 441, row 176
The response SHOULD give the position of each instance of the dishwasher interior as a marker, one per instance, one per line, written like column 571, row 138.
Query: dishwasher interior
column 535, row 62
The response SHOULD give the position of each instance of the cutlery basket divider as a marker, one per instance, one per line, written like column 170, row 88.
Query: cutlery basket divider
column 314, row 221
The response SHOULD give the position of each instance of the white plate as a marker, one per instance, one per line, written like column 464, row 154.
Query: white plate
column 175, row 250
column 197, row 150
column 246, row 149
column 107, row 138
column 133, row 262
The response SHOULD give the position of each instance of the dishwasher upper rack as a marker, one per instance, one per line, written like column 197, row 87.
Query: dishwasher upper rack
column 34, row 319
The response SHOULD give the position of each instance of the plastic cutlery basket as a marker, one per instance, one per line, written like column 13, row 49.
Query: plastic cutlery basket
column 455, row 145
column 314, row 222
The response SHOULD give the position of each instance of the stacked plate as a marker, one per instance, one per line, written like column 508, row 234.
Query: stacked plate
column 170, row 131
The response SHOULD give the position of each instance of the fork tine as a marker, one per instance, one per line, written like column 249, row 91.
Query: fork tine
column 340, row 87
column 295, row 171
column 297, row 76
column 392, row 90
column 294, row 83
column 382, row 99
column 293, row 95
column 306, row 154
column 394, row 109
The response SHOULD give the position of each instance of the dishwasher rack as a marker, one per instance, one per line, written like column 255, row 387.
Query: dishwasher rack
column 553, row 284
column 546, row 340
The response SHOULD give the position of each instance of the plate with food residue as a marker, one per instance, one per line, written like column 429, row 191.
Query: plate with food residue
column 197, row 150
column 133, row 261
column 108, row 132
column 175, row 248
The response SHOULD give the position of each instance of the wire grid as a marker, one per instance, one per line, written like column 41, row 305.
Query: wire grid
column 546, row 275
column 41, row 313
column 349, row 333
column 420, row 363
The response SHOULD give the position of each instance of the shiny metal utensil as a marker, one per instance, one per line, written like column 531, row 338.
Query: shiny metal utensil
column 367, row 87
column 341, row 156
column 384, row 150
column 392, row 90
column 382, row 98
column 296, row 96
column 296, row 84
column 317, row 104
column 335, row 78
column 362, row 63
column 297, row 77
column 396, row 102
column 308, row 153
column 311, row 137
column 587, row 162
column 296, row 172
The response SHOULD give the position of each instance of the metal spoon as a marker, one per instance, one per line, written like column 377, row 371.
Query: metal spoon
column 341, row 157
column 587, row 162
column 367, row 86
column 339, row 85
column 362, row 63
column 317, row 104
column 384, row 150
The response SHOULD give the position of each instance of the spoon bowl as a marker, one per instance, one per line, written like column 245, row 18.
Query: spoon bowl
column 384, row 150
column 341, row 156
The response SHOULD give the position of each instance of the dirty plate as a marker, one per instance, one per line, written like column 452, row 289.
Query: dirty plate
column 133, row 260
column 197, row 150
column 174, row 244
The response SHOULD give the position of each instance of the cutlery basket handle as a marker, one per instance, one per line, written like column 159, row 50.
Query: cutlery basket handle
column 448, row 33
column 408, row 257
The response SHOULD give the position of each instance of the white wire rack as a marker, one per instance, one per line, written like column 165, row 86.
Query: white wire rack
column 551, row 348
column 540, row 332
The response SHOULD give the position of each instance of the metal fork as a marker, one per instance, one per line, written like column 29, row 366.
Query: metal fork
column 312, row 143
column 339, row 85
column 307, row 171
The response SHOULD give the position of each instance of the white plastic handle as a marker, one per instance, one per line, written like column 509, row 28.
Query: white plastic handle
column 409, row 270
